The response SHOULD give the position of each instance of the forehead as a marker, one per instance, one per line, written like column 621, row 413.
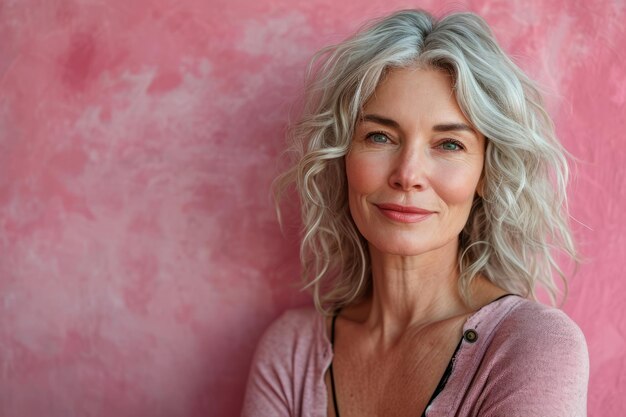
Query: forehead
column 416, row 94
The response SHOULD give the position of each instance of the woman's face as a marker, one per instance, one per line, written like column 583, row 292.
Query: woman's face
column 414, row 165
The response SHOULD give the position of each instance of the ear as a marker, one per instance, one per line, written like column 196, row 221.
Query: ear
column 480, row 188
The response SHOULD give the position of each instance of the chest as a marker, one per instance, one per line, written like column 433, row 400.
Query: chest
column 398, row 382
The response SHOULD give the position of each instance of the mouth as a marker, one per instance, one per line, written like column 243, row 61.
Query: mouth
column 404, row 214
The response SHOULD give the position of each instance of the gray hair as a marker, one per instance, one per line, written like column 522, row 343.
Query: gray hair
column 521, row 218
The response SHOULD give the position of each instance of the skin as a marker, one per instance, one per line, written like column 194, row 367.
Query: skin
column 414, row 147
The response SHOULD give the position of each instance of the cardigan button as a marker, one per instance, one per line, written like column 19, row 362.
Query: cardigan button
column 470, row 336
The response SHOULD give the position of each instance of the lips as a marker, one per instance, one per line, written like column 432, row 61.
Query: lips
column 404, row 214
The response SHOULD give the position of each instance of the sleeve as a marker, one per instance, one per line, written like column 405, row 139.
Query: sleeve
column 542, row 368
column 270, row 377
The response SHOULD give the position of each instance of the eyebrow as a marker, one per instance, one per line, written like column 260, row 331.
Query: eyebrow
column 444, row 127
column 380, row 120
column 447, row 127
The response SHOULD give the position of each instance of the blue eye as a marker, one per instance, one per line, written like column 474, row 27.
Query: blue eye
column 377, row 137
column 451, row 145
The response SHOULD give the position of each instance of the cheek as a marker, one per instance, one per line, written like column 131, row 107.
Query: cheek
column 365, row 173
column 457, row 185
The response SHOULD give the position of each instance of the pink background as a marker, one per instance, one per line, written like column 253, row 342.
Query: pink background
column 140, row 259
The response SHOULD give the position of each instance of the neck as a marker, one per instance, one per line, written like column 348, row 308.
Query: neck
column 410, row 293
column 413, row 291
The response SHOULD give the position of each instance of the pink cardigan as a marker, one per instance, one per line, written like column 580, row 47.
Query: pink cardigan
column 529, row 360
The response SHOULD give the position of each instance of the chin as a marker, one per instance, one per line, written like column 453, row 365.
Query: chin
column 413, row 247
column 404, row 249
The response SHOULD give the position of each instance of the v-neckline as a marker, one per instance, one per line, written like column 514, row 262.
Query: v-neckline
column 449, row 367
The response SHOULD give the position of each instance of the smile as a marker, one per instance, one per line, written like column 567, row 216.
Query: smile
column 404, row 214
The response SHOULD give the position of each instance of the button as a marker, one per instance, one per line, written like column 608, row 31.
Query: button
column 470, row 335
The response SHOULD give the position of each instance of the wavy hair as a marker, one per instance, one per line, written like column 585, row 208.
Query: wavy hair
column 521, row 219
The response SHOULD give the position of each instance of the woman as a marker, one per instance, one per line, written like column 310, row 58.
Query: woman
column 433, row 194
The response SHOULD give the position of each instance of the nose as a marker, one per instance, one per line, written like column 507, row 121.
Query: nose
column 410, row 170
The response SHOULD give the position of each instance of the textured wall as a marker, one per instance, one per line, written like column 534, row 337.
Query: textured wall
column 139, row 255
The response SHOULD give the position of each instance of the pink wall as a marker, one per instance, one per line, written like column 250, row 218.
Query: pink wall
column 139, row 255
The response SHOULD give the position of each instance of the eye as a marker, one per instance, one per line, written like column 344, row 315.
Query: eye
column 451, row 145
column 377, row 137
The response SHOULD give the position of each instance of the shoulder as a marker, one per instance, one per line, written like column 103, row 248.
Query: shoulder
column 536, row 364
column 530, row 325
column 292, row 337
column 285, row 354
column 290, row 327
